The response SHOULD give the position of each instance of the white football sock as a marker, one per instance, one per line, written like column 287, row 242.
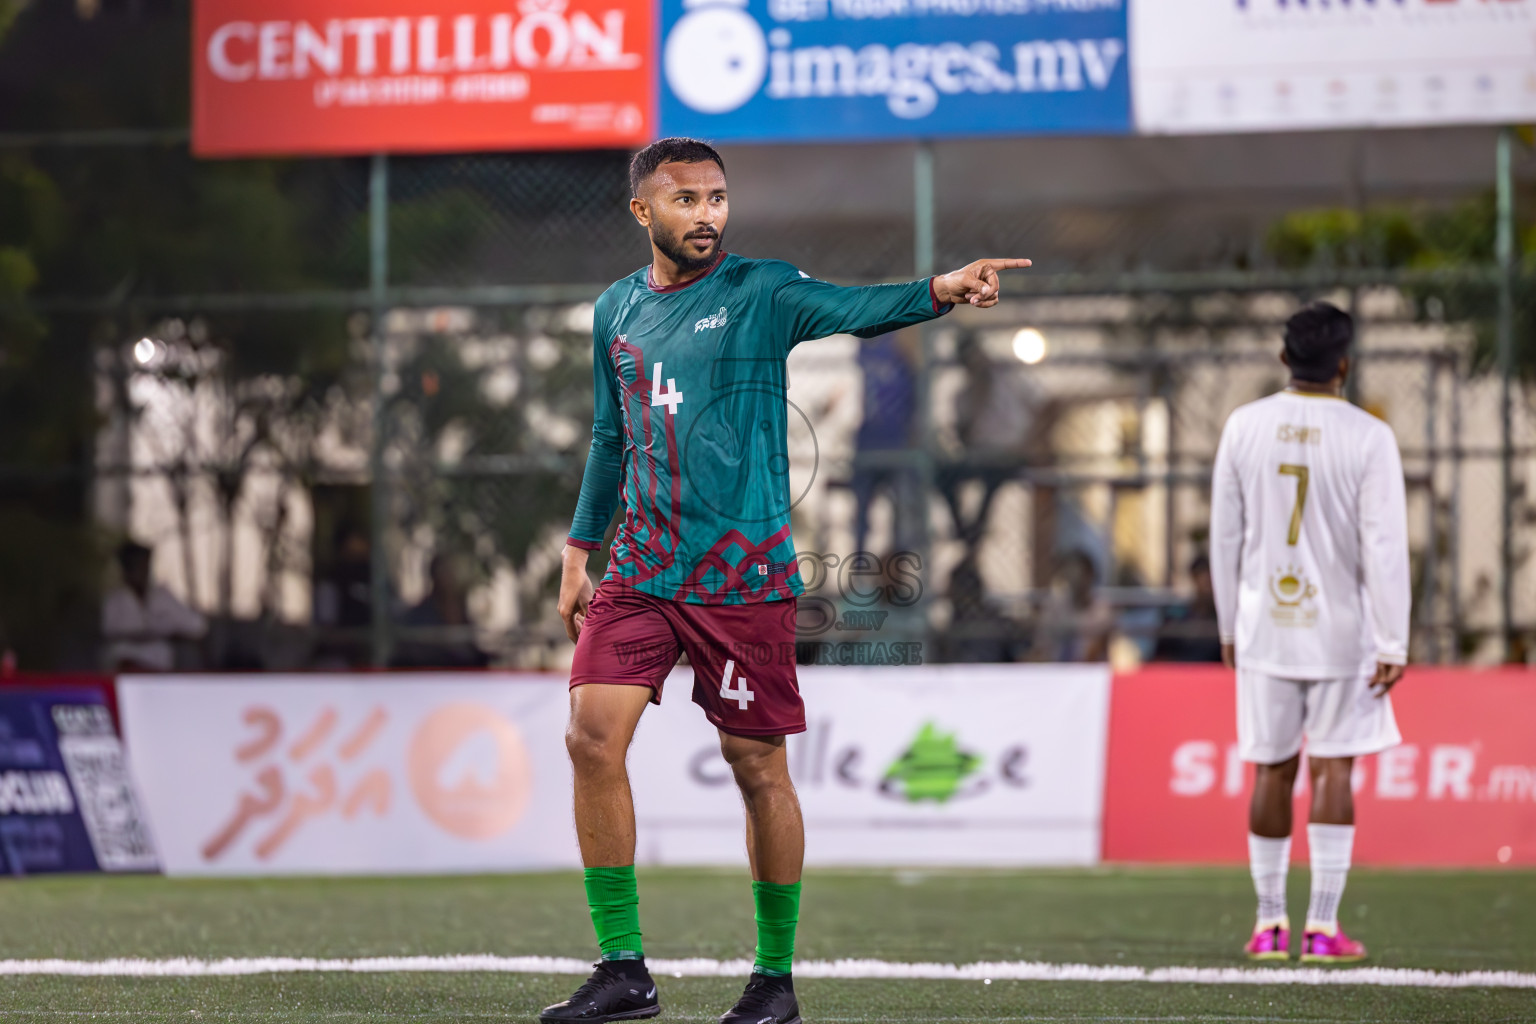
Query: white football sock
column 1331, row 846
column 1269, row 860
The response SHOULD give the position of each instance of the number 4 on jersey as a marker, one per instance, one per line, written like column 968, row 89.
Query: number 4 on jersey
column 670, row 398
column 741, row 695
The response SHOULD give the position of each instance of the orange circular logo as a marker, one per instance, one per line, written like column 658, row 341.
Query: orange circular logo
column 469, row 771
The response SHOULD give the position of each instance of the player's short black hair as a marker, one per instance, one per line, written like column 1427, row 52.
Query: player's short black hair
column 1316, row 338
column 675, row 150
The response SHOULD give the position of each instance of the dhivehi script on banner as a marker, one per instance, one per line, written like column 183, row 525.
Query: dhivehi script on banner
column 367, row 774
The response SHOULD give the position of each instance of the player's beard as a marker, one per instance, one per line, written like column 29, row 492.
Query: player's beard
column 674, row 248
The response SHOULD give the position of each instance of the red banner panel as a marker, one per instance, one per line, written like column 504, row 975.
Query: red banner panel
column 274, row 77
column 102, row 684
column 1460, row 791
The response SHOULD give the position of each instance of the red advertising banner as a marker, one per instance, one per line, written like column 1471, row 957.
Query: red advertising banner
column 1460, row 791
column 274, row 77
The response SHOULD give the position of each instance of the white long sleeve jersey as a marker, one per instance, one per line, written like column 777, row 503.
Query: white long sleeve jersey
column 1309, row 538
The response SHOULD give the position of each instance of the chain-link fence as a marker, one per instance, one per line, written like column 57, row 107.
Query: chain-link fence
column 200, row 371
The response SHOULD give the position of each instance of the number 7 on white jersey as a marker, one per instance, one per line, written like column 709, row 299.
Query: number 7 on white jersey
column 1300, row 473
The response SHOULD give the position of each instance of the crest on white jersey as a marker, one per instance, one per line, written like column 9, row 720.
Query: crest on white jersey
column 1294, row 596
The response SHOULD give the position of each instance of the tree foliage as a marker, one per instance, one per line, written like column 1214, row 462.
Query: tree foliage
column 126, row 226
column 1457, row 237
column 114, row 223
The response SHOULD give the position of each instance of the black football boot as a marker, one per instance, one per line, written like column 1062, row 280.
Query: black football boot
column 617, row 990
column 767, row 1000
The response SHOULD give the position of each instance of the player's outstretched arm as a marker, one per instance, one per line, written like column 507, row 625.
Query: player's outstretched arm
column 975, row 283
column 807, row 308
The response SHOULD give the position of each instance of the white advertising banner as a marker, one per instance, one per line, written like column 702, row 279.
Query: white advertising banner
column 394, row 774
column 924, row 765
column 1263, row 65
column 373, row 774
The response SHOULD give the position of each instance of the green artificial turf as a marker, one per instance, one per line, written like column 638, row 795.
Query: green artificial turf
column 1147, row 917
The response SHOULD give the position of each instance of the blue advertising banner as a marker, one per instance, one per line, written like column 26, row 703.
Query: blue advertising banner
column 66, row 803
column 834, row 70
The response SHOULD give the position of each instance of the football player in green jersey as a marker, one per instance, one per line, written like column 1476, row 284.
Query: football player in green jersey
column 689, row 443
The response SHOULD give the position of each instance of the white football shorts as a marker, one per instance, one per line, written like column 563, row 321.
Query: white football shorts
column 1336, row 717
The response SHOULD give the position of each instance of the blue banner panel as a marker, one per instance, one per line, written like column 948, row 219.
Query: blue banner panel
column 66, row 803
column 834, row 70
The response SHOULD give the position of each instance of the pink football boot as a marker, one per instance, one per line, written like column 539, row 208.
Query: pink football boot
column 1319, row 947
column 1271, row 941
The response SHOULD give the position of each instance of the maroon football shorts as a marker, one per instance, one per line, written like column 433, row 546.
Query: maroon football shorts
column 743, row 655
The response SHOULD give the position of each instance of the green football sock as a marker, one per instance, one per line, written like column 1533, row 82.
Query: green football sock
column 615, row 904
column 778, row 911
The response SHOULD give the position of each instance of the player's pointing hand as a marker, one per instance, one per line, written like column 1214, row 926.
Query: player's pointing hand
column 975, row 283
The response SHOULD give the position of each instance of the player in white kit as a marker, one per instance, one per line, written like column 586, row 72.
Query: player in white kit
column 1309, row 559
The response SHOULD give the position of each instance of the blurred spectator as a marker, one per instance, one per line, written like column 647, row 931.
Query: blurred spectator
column 993, row 415
column 890, row 400
column 1190, row 632
column 345, row 599
column 344, row 602
column 446, row 637
column 140, row 619
column 1137, row 623
column 1076, row 622
column 977, row 632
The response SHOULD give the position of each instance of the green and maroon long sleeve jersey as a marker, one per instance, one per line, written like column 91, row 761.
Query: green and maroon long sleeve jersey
column 690, row 429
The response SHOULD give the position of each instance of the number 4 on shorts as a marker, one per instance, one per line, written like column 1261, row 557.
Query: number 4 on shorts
column 741, row 696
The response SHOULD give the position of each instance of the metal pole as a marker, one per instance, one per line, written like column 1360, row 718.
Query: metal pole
column 1427, row 608
column 923, row 213
column 1505, row 251
column 1453, row 525
column 378, row 280
column 1356, row 362
column 1168, row 391
column 923, row 264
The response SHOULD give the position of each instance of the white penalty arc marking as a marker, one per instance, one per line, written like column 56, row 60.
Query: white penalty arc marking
column 1018, row 970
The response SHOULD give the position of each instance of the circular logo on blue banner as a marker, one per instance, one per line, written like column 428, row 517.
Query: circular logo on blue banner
column 715, row 56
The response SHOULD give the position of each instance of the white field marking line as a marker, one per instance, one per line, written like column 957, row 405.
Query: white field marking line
column 294, row 1015
column 298, row 1015
column 699, row 967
